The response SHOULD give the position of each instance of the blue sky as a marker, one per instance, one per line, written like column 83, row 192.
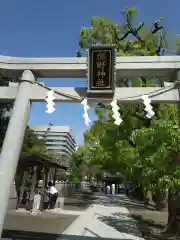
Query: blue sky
column 44, row 28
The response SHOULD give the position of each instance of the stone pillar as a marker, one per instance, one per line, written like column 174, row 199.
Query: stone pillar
column 24, row 179
column 34, row 177
column 54, row 176
column 13, row 142
column 48, row 175
column 44, row 176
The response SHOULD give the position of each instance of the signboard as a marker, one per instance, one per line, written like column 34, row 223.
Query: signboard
column 101, row 70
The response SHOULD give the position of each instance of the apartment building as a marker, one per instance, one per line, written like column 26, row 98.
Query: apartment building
column 58, row 139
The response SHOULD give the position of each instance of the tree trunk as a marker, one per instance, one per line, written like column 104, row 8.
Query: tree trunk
column 171, row 224
column 160, row 199
column 139, row 193
column 149, row 196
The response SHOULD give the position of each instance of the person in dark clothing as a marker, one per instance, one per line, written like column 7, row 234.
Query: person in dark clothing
column 53, row 195
column 46, row 198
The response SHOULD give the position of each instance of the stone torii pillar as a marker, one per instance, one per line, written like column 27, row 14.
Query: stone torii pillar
column 13, row 141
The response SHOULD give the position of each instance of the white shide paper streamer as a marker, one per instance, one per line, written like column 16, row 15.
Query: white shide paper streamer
column 116, row 114
column 147, row 103
column 50, row 104
column 86, row 108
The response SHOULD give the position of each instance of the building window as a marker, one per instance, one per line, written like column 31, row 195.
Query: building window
column 53, row 140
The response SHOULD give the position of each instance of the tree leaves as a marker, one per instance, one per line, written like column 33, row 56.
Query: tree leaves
column 145, row 151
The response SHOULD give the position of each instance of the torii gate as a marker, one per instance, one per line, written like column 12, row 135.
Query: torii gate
column 30, row 69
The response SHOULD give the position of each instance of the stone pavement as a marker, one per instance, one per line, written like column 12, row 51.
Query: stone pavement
column 47, row 222
column 106, row 218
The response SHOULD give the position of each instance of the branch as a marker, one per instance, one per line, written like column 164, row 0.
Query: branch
column 133, row 31
column 131, row 143
column 117, row 39
column 162, row 39
column 157, row 26
column 139, row 27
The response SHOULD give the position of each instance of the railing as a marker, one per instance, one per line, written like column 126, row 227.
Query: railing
column 69, row 188
column 65, row 189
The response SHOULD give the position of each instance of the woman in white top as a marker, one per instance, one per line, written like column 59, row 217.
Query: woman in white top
column 53, row 195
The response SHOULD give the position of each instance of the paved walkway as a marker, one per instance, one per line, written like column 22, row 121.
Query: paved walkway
column 106, row 218
column 48, row 222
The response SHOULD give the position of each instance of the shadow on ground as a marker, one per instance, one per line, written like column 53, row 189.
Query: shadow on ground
column 151, row 230
column 78, row 202
column 122, row 223
column 123, row 201
column 137, row 226
column 151, row 223
column 142, row 221
column 22, row 235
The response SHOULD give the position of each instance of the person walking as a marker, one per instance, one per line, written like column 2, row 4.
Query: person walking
column 108, row 189
column 53, row 195
column 113, row 188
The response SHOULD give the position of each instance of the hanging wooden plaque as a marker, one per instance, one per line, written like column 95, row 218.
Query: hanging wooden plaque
column 101, row 74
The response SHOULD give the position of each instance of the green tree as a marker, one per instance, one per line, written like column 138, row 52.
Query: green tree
column 32, row 144
column 5, row 107
column 143, row 42
column 85, row 163
column 140, row 148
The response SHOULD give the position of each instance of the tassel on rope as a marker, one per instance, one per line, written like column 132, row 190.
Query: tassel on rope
column 85, row 115
column 147, row 103
column 116, row 114
column 50, row 104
